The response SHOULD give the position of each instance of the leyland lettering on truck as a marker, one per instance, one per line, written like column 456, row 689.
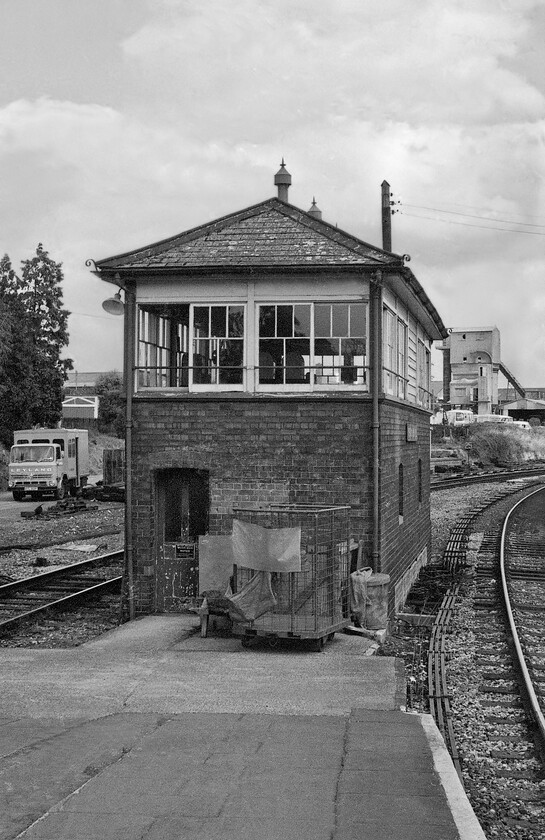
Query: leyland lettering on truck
column 48, row 462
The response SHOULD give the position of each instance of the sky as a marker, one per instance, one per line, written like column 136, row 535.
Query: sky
column 124, row 122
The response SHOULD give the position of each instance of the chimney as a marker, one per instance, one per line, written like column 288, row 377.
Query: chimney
column 315, row 211
column 282, row 180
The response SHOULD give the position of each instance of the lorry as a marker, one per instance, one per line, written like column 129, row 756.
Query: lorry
column 48, row 462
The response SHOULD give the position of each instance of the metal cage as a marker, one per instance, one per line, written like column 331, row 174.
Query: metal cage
column 312, row 603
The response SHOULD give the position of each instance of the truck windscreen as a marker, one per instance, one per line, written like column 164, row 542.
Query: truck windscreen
column 32, row 454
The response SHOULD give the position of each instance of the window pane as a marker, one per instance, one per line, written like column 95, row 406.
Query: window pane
column 201, row 321
column 301, row 316
column 218, row 321
column 326, row 347
column 352, row 348
column 202, row 351
column 297, row 357
column 266, row 321
column 339, row 319
column 271, row 354
column 236, row 321
column 284, row 316
column 230, row 360
column 353, row 360
column 327, row 361
column 358, row 320
column 322, row 319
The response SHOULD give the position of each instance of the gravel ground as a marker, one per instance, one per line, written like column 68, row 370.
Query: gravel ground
column 50, row 543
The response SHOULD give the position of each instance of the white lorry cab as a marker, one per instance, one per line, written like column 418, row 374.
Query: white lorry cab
column 48, row 462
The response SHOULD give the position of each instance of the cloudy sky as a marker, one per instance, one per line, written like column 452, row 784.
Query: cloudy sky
column 123, row 122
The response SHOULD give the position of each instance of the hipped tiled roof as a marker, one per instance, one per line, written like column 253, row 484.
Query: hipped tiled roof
column 272, row 234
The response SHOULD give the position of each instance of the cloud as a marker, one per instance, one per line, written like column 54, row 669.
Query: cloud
column 429, row 96
column 242, row 66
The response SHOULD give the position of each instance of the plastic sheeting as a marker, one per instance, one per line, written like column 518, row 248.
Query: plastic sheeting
column 215, row 562
column 369, row 598
column 253, row 600
column 266, row 549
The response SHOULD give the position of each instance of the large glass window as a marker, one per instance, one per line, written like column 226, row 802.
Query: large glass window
column 291, row 346
column 319, row 344
column 339, row 342
column 284, row 344
column 218, row 345
column 163, row 357
column 394, row 339
column 423, row 375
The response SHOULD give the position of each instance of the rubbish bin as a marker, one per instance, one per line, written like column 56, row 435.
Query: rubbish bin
column 376, row 613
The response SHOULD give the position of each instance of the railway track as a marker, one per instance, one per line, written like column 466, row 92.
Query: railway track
column 486, row 477
column 506, row 665
column 60, row 589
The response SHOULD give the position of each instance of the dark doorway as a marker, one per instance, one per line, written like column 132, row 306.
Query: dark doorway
column 182, row 516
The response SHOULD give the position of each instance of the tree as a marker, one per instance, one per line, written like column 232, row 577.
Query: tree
column 17, row 381
column 111, row 407
column 41, row 296
column 34, row 333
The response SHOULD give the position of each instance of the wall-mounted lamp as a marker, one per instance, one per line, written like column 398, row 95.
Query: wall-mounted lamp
column 114, row 305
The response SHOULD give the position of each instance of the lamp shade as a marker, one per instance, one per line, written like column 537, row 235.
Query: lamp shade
column 114, row 305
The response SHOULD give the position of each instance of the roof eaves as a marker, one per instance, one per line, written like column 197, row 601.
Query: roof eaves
column 417, row 290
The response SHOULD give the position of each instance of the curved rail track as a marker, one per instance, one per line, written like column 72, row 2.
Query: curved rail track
column 59, row 589
column 508, row 607
column 522, row 559
column 486, row 477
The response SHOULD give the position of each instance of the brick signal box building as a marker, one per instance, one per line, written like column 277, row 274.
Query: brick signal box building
column 272, row 358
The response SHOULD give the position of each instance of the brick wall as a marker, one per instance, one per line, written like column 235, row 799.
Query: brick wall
column 305, row 451
column 405, row 545
column 283, row 450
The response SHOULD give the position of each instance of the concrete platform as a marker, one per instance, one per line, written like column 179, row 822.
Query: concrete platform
column 152, row 732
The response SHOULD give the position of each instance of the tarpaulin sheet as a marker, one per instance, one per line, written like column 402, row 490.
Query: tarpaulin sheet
column 266, row 549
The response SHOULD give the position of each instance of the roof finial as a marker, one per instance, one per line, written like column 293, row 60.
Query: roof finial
column 315, row 211
column 282, row 180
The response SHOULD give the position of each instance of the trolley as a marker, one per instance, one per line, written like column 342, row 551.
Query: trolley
column 312, row 603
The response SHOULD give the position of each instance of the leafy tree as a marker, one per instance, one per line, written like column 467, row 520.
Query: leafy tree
column 17, row 382
column 41, row 296
column 111, row 407
column 34, row 333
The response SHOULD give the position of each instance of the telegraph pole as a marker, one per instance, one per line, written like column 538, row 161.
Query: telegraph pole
column 386, row 217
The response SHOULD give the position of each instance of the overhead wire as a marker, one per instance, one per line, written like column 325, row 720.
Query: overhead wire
column 472, row 216
column 470, row 224
column 481, row 210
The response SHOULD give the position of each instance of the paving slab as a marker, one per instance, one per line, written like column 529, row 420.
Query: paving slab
column 156, row 665
column 162, row 735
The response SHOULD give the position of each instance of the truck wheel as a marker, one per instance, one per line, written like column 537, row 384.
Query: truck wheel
column 18, row 496
column 60, row 492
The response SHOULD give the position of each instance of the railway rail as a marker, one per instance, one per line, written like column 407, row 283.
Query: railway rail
column 60, row 589
column 485, row 477
column 508, row 605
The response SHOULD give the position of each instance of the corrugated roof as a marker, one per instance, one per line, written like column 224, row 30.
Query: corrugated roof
column 272, row 234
